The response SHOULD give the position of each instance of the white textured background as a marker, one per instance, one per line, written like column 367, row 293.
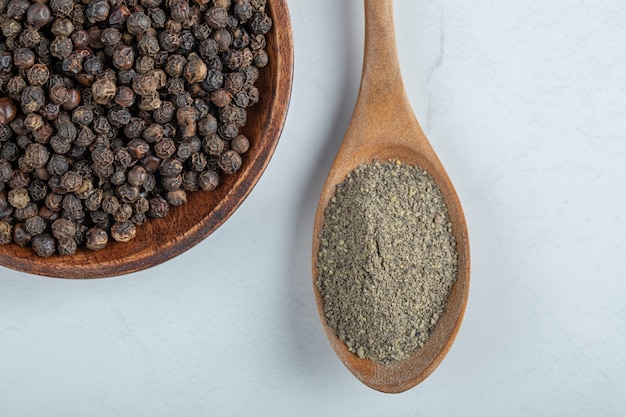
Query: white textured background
column 525, row 102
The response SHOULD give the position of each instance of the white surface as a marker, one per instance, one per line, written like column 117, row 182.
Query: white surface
column 524, row 101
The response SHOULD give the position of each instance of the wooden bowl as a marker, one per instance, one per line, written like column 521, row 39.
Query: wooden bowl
column 159, row 240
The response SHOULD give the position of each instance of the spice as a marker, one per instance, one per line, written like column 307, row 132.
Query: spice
column 387, row 260
column 111, row 111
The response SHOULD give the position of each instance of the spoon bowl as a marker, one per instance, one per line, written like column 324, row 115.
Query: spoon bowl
column 159, row 240
column 383, row 127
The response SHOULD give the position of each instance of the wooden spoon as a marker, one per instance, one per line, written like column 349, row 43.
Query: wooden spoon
column 384, row 127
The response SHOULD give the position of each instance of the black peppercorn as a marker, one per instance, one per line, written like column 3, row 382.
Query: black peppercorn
column 260, row 23
column 198, row 161
column 123, row 58
column 213, row 145
column 61, row 8
column 73, row 64
column 230, row 161
column 73, row 99
column 18, row 197
column 5, row 232
column 240, row 144
column 223, row 38
column 96, row 238
column 43, row 245
column 35, row 225
column 17, row 8
column 137, row 23
column 66, row 247
column 97, row 11
column 158, row 207
column 221, row 97
column 157, row 17
column 196, row 69
column 216, row 17
column 123, row 231
column 165, row 148
column 176, row 197
column 208, row 180
column 170, row 167
column 23, row 58
column 57, row 165
column 103, row 91
column 38, row 15
column 71, row 181
column 83, row 115
column 119, row 117
column 8, row 110
column 29, row 38
column 20, row 236
column 119, row 15
column 37, row 74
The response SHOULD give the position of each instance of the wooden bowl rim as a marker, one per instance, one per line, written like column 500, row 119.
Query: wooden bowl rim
column 97, row 265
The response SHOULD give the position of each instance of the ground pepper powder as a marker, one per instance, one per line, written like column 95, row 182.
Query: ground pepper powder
column 387, row 260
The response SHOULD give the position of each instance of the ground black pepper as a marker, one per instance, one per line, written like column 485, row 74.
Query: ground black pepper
column 112, row 110
column 387, row 260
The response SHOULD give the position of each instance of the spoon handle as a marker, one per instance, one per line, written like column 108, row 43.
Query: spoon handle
column 381, row 78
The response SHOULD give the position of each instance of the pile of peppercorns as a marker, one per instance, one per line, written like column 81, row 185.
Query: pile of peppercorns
column 112, row 110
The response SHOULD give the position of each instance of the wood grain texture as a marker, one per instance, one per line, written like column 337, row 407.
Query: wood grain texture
column 159, row 240
column 384, row 127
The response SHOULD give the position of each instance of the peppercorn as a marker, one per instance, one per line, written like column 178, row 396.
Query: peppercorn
column 260, row 23
column 5, row 232
column 123, row 158
column 66, row 247
column 85, row 137
column 17, row 8
column 73, row 64
column 253, row 96
column 196, row 69
column 20, row 236
column 170, row 167
column 29, row 38
column 36, row 155
column 103, row 90
column 11, row 29
column 124, row 213
column 97, row 11
column 216, row 17
column 157, row 17
column 123, row 231
column 73, row 99
column 83, row 115
column 61, row 8
column 23, row 58
column 150, row 101
column 137, row 23
column 35, row 225
column 165, row 148
column 153, row 133
column 118, row 16
column 123, row 57
column 176, row 197
column 38, row 15
column 21, row 214
column 230, row 161
column 223, row 38
column 119, row 117
column 18, row 197
column 221, row 97
column 8, row 110
column 233, row 59
column 260, row 59
column 240, row 144
column 128, row 193
column 138, row 148
column 96, row 238
column 208, row 180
